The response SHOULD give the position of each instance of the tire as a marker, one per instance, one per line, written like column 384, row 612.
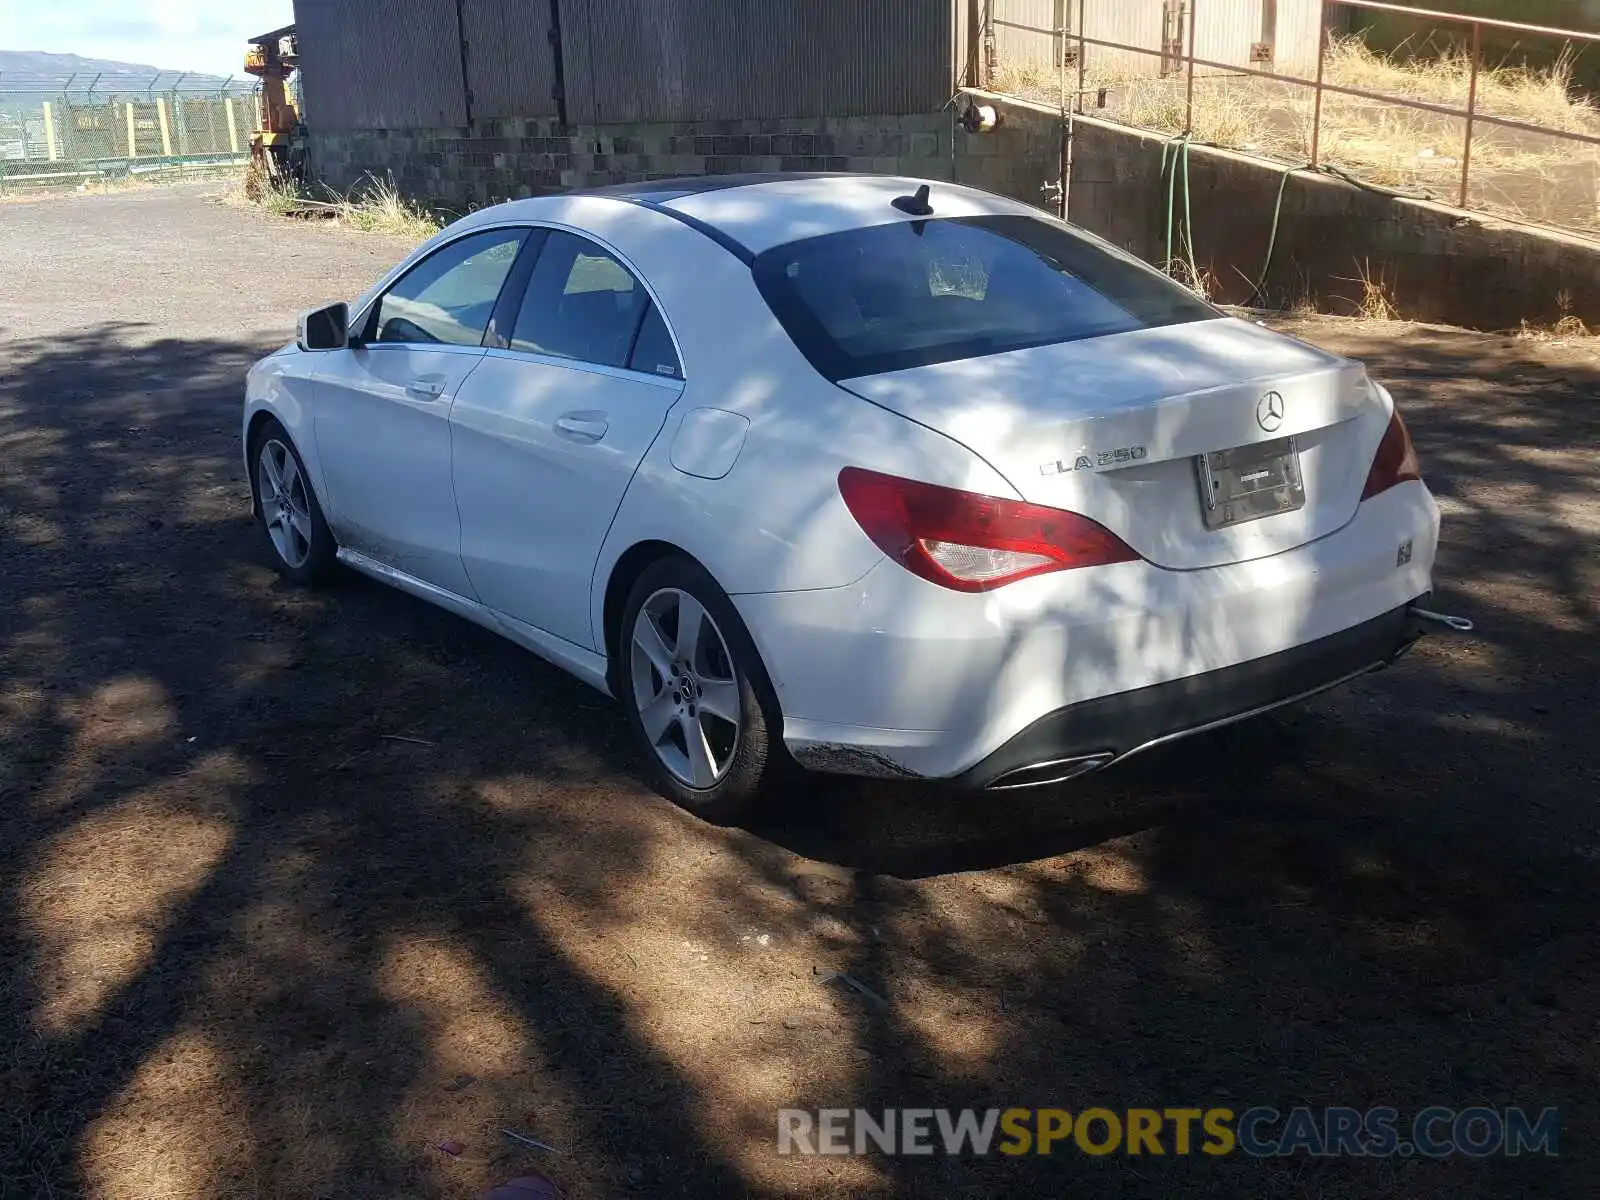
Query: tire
column 668, row 697
column 287, row 513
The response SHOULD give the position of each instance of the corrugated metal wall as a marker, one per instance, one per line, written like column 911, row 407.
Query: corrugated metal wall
column 381, row 64
column 1225, row 30
column 1300, row 37
column 1131, row 22
column 687, row 60
column 397, row 64
column 1022, row 30
column 510, row 63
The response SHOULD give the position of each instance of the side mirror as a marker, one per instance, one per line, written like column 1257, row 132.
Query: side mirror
column 326, row 328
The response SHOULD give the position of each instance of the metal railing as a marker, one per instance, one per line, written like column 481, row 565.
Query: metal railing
column 1070, row 35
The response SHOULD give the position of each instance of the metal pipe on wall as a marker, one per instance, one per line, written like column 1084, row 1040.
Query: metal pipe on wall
column 1472, row 111
column 1188, row 110
column 1064, row 163
column 991, row 51
column 972, row 72
column 1322, row 72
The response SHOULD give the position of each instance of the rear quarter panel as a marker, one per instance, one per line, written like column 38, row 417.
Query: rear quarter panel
column 775, row 520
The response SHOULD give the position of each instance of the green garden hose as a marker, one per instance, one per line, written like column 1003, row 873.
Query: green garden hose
column 1178, row 149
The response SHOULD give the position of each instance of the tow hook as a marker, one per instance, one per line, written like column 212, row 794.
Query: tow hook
column 1455, row 624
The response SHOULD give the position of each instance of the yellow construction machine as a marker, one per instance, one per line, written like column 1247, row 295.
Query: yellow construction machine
column 277, row 148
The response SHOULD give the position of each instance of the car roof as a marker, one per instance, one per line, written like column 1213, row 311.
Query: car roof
column 750, row 213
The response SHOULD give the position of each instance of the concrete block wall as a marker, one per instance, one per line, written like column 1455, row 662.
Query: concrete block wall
column 508, row 159
column 1436, row 263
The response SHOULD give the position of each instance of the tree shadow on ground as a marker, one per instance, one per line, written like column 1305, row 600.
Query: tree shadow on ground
column 253, row 944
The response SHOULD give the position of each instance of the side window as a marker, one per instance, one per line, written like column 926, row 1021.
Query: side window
column 449, row 296
column 581, row 303
column 653, row 352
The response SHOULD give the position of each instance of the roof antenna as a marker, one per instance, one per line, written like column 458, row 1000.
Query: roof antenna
column 916, row 206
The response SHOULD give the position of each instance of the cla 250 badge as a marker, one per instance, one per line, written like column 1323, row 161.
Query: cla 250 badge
column 1120, row 457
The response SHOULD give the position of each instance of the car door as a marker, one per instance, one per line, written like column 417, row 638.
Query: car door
column 383, row 407
column 550, row 428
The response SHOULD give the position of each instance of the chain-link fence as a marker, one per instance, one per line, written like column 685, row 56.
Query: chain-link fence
column 56, row 133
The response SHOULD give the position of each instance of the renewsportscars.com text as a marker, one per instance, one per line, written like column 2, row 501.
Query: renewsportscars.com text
column 1260, row 1132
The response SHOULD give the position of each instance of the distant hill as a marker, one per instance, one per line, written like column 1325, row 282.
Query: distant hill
column 19, row 66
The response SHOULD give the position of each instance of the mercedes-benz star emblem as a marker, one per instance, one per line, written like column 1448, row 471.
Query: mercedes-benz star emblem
column 1269, row 412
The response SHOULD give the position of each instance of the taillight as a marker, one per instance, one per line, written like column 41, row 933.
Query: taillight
column 1395, row 462
column 968, row 542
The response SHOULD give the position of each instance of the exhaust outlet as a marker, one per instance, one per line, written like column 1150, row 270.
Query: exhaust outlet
column 1056, row 770
column 1443, row 620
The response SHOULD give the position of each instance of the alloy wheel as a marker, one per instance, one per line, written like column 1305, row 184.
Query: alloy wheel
column 285, row 503
column 685, row 688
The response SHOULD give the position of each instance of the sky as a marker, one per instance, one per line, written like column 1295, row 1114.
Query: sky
column 180, row 35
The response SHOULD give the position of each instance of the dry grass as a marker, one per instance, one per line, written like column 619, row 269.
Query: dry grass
column 1538, row 96
column 1568, row 327
column 1377, row 297
column 376, row 206
column 280, row 197
column 1228, row 117
column 373, row 206
column 1036, row 82
column 1523, row 175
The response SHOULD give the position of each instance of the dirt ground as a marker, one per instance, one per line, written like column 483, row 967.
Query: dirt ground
column 253, row 944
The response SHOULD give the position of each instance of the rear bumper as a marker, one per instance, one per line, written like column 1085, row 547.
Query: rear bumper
column 1083, row 737
column 895, row 676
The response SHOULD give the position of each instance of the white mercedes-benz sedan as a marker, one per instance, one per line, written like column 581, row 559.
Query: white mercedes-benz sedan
column 879, row 476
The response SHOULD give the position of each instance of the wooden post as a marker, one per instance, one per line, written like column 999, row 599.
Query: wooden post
column 133, row 134
column 51, row 150
column 166, row 131
column 233, row 126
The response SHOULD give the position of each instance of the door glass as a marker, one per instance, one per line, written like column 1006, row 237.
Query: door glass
column 581, row 303
column 449, row 296
column 653, row 352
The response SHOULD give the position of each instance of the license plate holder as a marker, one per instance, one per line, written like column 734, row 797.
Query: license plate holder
column 1248, row 483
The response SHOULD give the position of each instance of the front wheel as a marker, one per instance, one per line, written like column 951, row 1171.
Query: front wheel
column 693, row 687
column 289, row 516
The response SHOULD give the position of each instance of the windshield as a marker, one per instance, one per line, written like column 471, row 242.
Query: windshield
column 909, row 293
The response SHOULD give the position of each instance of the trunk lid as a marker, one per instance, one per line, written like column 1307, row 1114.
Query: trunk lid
column 1111, row 427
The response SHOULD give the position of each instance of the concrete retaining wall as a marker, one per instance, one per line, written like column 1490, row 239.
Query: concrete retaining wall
column 1435, row 263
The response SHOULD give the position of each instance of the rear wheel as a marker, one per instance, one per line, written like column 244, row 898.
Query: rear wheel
column 694, row 690
column 297, row 536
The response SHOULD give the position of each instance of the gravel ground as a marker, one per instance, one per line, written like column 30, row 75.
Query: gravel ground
column 253, row 944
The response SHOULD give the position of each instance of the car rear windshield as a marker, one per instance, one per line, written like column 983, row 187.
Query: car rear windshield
column 910, row 293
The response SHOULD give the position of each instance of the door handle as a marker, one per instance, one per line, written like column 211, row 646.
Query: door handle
column 425, row 388
column 582, row 427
